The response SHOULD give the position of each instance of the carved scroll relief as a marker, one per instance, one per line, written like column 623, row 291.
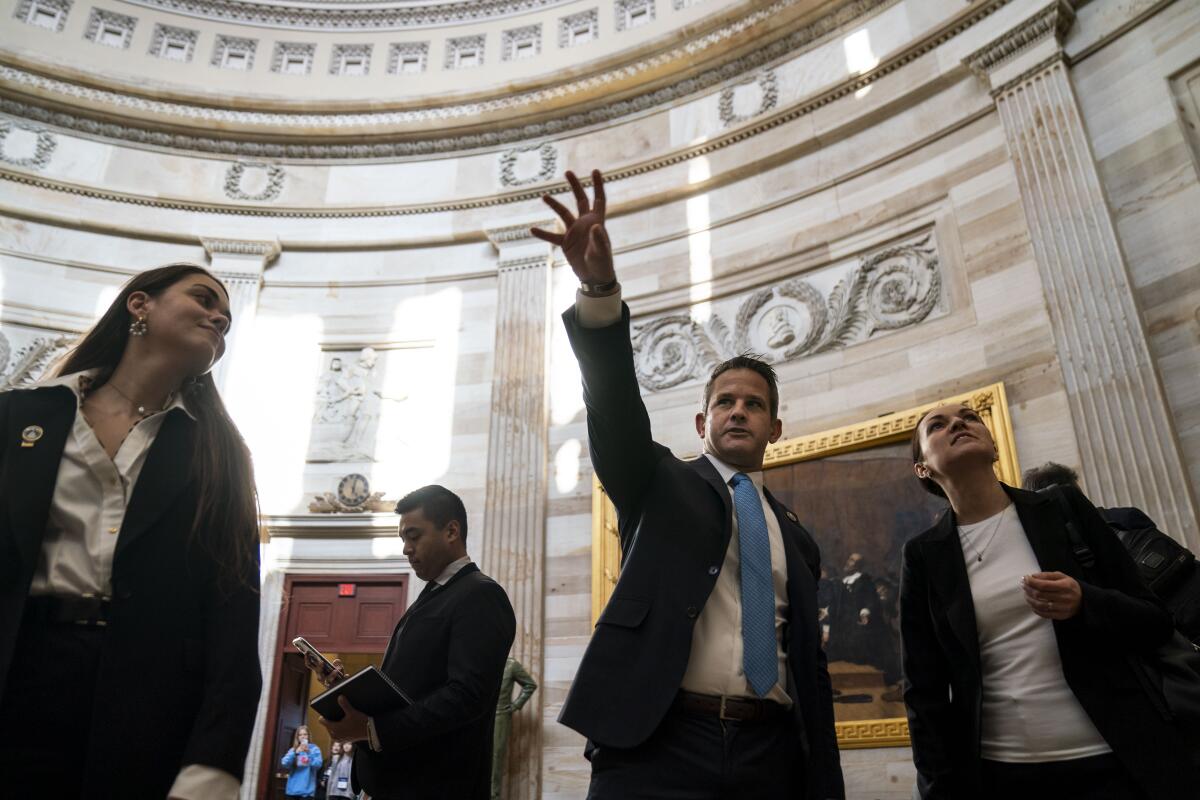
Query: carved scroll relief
column 26, row 356
column 828, row 309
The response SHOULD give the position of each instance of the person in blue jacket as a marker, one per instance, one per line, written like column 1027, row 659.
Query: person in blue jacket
column 303, row 763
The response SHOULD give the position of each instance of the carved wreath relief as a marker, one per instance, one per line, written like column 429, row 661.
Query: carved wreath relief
column 746, row 100
column 524, row 165
column 893, row 288
column 269, row 178
column 34, row 152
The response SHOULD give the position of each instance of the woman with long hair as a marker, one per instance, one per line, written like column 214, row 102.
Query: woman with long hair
column 1018, row 680
column 128, row 559
column 303, row 763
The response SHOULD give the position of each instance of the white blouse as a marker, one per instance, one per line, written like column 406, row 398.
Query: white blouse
column 91, row 496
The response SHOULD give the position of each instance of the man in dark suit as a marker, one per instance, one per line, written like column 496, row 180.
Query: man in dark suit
column 705, row 676
column 447, row 653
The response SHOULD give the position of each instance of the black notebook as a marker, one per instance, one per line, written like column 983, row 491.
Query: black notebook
column 370, row 691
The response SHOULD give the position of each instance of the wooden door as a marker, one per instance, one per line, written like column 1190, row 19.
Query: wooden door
column 346, row 616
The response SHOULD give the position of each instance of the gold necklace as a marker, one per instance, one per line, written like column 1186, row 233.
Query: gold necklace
column 995, row 529
column 141, row 410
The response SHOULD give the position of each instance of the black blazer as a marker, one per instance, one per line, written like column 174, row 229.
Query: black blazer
column 179, row 672
column 675, row 522
column 447, row 653
column 1119, row 616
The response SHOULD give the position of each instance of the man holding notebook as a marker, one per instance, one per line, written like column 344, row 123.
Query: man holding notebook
column 447, row 654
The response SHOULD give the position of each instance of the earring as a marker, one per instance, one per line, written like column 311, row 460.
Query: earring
column 139, row 327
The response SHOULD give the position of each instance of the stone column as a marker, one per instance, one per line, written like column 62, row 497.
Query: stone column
column 1123, row 425
column 518, row 461
column 240, row 265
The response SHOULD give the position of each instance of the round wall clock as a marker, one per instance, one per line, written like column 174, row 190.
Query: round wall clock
column 354, row 490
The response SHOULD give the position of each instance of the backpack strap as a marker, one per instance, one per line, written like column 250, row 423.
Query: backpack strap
column 1079, row 548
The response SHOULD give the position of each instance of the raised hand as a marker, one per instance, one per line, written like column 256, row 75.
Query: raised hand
column 585, row 243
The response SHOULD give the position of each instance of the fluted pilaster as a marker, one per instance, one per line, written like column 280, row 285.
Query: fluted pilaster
column 1122, row 422
column 515, row 509
column 240, row 264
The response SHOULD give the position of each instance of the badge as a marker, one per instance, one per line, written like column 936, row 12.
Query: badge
column 342, row 782
column 30, row 435
column 792, row 517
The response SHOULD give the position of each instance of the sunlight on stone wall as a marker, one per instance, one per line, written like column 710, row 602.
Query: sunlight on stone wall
column 859, row 56
column 281, row 350
column 699, row 243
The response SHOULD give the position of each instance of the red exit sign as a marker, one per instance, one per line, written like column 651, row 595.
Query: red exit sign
column 345, row 590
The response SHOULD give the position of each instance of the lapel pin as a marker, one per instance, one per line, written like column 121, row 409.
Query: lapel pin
column 30, row 435
column 792, row 517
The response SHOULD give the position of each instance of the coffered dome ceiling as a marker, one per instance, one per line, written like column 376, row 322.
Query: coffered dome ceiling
column 343, row 78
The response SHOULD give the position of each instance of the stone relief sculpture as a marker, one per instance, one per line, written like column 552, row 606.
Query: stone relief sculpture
column 762, row 89
column 511, row 165
column 273, row 177
column 24, row 363
column 349, row 398
column 887, row 290
column 43, row 145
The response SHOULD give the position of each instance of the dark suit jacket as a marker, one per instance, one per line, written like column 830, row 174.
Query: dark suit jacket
column 179, row 674
column 447, row 653
column 1119, row 616
column 675, row 521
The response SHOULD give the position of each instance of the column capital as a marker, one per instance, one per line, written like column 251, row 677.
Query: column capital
column 517, row 247
column 240, row 258
column 508, row 235
column 1025, row 47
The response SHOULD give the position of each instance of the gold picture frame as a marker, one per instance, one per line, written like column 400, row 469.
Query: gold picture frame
column 990, row 402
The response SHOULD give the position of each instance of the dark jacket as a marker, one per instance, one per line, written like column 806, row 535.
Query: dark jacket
column 447, row 653
column 179, row 671
column 1118, row 617
column 675, row 522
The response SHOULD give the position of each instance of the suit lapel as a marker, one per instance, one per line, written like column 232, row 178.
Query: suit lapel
column 424, row 604
column 166, row 471
column 948, row 576
column 708, row 472
column 33, row 471
column 1043, row 526
column 801, row 584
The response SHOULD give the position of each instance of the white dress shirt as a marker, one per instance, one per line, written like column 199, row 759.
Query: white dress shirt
column 1029, row 713
column 91, row 497
column 715, row 662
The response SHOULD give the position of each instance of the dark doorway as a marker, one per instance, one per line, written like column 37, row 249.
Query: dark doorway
column 347, row 617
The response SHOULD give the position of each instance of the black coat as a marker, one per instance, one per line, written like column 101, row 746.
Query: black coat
column 447, row 653
column 675, row 523
column 1119, row 616
column 179, row 676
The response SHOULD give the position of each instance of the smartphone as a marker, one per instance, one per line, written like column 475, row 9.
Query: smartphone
column 326, row 666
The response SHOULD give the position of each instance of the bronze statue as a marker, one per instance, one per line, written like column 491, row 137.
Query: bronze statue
column 505, row 708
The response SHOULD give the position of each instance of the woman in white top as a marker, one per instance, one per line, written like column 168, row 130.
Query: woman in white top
column 1017, row 674
column 129, row 560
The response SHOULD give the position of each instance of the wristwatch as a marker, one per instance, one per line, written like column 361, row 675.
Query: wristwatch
column 599, row 289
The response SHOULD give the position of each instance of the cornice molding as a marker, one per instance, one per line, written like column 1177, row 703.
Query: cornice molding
column 1053, row 20
column 354, row 16
column 762, row 125
column 99, row 124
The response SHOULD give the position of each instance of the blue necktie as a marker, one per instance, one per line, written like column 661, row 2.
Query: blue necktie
column 759, row 656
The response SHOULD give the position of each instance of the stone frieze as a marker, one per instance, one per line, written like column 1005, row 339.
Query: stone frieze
column 851, row 302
